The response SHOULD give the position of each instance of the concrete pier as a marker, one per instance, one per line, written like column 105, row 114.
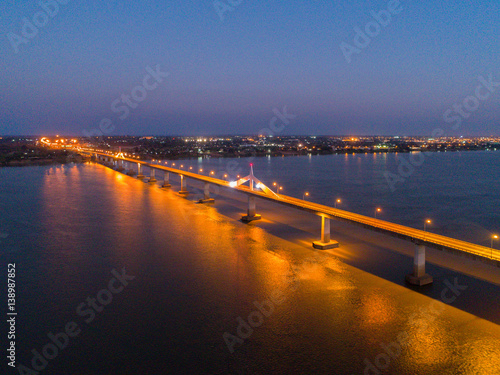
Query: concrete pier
column 325, row 242
column 206, row 194
column 166, row 180
column 419, row 277
column 130, row 170
column 139, row 172
column 183, row 190
column 152, row 175
column 251, row 215
column 119, row 167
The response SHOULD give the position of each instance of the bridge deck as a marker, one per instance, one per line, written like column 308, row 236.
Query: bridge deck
column 401, row 231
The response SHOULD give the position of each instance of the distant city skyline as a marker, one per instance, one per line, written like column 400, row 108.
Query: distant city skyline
column 190, row 69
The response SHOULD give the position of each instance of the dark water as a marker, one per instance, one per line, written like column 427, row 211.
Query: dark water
column 197, row 271
column 458, row 191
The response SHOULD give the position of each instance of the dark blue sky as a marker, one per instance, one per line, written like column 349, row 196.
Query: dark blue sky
column 229, row 70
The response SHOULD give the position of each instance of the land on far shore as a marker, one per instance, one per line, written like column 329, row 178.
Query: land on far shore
column 18, row 152
column 35, row 150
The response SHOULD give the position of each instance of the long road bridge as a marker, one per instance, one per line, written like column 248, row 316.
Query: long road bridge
column 257, row 189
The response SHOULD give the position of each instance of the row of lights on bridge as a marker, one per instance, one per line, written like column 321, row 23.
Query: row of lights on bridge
column 279, row 188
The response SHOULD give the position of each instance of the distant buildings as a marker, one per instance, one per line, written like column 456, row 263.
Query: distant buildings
column 150, row 147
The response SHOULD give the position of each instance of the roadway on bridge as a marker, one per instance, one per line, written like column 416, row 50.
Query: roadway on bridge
column 408, row 233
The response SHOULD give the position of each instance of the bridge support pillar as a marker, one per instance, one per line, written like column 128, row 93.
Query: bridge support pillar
column 419, row 277
column 183, row 190
column 140, row 176
column 120, row 165
column 325, row 242
column 166, row 180
column 130, row 171
column 152, row 175
column 251, row 215
column 206, row 194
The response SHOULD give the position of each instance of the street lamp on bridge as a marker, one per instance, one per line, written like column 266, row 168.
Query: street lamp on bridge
column 427, row 221
column 377, row 211
column 337, row 201
column 306, row 194
column 494, row 237
column 278, row 187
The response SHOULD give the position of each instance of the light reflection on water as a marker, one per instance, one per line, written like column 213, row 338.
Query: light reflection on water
column 196, row 273
column 458, row 190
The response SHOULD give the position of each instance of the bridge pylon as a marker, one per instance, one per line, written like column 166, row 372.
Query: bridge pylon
column 326, row 242
column 418, row 276
column 253, row 180
column 152, row 175
column 206, row 194
column 166, row 180
column 251, row 210
column 140, row 176
column 183, row 190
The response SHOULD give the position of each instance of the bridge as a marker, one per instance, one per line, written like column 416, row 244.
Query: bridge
column 257, row 189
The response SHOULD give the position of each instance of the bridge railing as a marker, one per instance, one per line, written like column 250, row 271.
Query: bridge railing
column 408, row 233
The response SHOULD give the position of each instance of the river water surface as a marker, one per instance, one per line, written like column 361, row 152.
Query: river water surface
column 197, row 274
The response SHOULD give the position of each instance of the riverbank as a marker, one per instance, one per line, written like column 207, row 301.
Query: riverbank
column 9, row 161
